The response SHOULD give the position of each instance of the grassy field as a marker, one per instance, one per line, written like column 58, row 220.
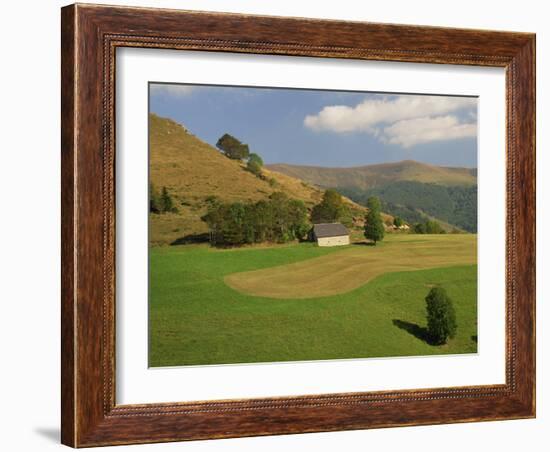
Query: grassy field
column 378, row 310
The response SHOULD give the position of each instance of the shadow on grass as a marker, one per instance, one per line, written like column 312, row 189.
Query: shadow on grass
column 474, row 338
column 364, row 243
column 417, row 331
column 191, row 239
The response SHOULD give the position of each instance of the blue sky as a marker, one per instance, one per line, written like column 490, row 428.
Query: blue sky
column 327, row 128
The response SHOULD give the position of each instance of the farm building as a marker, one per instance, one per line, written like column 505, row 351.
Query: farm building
column 330, row 234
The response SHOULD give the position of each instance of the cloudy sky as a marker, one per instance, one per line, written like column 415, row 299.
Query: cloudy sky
column 327, row 128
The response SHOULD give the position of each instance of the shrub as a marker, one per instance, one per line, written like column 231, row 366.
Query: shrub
column 440, row 315
column 428, row 227
column 166, row 202
column 154, row 200
column 255, row 164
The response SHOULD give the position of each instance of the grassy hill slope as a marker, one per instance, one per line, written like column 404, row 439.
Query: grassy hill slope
column 194, row 172
column 370, row 176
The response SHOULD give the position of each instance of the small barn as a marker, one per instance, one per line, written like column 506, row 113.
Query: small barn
column 330, row 234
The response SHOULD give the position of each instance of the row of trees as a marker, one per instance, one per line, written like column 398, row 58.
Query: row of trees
column 234, row 149
column 277, row 219
column 161, row 202
column 428, row 227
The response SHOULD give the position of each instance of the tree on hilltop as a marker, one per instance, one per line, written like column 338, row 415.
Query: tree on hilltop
column 232, row 147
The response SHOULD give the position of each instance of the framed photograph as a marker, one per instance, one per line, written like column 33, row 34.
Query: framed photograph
column 282, row 225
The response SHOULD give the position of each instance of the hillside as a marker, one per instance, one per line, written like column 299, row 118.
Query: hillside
column 411, row 190
column 194, row 172
column 371, row 176
column 417, row 202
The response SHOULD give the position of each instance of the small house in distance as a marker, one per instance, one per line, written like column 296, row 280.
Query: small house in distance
column 330, row 234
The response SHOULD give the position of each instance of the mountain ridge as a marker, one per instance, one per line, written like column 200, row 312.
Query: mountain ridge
column 370, row 176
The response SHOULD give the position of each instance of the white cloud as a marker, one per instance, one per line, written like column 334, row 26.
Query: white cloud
column 170, row 89
column 410, row 132
column 402, row 120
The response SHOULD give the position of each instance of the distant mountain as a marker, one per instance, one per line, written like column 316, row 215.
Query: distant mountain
column 195, row 172
column 455, row 207
column 412, row 190
column 371, row 176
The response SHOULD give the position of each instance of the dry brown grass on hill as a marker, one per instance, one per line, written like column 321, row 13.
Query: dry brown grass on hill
column 369, row 176
column 194, row 171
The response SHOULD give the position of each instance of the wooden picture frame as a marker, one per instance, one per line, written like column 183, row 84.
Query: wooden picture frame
column 90, row 36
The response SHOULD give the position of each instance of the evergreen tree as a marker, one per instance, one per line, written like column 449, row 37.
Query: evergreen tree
column 374, row 227
column 397, row 222
column 440, row 315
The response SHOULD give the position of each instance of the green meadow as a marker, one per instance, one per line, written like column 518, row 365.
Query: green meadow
column 301, row 302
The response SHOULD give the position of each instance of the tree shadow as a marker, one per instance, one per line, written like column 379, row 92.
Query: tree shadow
column 417, row 331
column 364, row 243
column 192, row 239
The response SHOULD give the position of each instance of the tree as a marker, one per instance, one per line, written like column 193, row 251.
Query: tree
column 297, row 217
column 232, row 147
column 331, row 209
column 428, row 227
column 419, row 228
column 433, row 227
column 154, row 199
column 255, row 164
column 166, row 203
column 398, row 222
column 374, row 227
column 234, row 227
column 440, row 315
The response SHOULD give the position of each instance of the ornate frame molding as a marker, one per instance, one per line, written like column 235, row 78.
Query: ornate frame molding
column 90, row 37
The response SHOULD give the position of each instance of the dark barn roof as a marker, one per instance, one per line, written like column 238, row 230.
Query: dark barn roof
column 329, row 230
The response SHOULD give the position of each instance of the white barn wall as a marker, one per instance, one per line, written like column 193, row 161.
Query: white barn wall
column 333, row 241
